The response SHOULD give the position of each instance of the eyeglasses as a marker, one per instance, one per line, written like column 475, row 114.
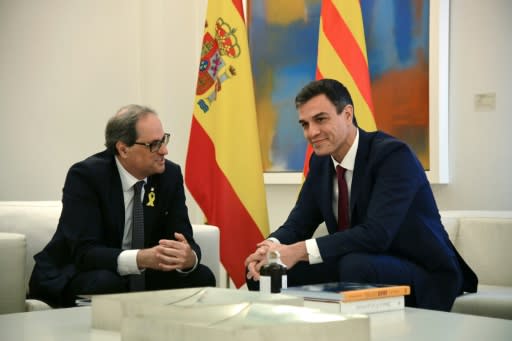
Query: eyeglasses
column 156, row 145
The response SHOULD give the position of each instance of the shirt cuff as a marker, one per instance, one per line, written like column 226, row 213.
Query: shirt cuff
column 313, row 252
column 192, row 269
column 275, row 240
column 127, row 263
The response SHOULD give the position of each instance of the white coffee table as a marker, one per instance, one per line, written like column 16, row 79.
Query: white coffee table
column 409, row 324
column 420, row 324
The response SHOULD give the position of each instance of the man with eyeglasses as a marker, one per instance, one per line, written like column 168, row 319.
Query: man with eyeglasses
column 92, row 251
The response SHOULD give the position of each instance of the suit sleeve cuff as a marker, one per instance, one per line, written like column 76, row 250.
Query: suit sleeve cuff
column 274, row 240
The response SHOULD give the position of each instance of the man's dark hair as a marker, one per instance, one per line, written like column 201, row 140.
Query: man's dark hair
column 121, row 127
column 336, row 92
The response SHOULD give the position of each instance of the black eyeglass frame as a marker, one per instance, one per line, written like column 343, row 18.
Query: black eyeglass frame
column 156, row 145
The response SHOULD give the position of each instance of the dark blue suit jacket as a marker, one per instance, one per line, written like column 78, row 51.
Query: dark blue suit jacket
column 392, row 211
column 91, row 225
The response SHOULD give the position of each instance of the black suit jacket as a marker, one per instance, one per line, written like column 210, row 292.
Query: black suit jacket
column 90, row 229
column 392, row 211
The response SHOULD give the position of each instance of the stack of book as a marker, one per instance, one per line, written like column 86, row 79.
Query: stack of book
column 351, row 298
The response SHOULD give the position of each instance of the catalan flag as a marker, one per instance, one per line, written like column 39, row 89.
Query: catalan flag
column 342, row 56
column 223, row 169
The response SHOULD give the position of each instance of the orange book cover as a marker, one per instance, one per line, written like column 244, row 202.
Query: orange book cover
column 347, row 291
column 378, row 292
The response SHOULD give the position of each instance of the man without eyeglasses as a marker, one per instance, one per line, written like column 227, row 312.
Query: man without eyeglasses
column 387, row 228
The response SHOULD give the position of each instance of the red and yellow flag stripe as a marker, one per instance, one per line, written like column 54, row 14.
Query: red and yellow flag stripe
column 342, row 56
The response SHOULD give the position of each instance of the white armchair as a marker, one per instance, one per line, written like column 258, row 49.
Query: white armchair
column 27, row 226
column 13, row 248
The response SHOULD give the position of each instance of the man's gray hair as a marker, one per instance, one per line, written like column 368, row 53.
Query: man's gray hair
column 121, row 127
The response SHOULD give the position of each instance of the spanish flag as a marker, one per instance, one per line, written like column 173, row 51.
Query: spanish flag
column 223, row 169
column 342, row 56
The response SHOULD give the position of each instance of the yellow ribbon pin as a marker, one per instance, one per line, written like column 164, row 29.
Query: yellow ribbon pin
column 151, row 198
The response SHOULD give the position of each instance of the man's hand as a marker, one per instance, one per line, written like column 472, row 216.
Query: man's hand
column 290, row 255
column 168, row 255
column 258, row 258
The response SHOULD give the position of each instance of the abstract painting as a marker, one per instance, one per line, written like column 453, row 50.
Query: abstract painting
column 283, row 37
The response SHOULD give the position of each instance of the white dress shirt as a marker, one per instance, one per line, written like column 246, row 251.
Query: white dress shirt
column 127, row 259
column 348, row 163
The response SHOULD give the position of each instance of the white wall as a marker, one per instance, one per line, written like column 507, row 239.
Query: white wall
column 65, row 67
column 480, row 152
column 68, row 65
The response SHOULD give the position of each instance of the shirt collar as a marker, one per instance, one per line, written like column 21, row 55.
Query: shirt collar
column 127, row 180
column 349, row 160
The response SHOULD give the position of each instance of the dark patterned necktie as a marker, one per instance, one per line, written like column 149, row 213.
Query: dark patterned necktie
column 137, row 282
column 342, row 199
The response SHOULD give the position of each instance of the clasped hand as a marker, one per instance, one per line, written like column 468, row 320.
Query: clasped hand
column 168, row 255
column 290, row 255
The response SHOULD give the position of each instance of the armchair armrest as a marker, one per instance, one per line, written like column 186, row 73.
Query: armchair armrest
column 208, row 238
column 13, row 248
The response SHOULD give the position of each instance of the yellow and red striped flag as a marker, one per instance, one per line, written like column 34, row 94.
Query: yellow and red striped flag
column 223, row 168
column 342, row 56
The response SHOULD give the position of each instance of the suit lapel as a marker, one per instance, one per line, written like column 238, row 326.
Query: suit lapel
column 150, row 203
column 359, row 168
column 325, row 183
column 117, row 201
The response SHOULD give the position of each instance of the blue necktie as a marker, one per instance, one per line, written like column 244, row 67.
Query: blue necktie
column 137, row 282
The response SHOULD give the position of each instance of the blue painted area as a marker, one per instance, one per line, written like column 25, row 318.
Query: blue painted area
column 393, row 34
column 290, row 53
column 289, row 144
column 403, row 30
